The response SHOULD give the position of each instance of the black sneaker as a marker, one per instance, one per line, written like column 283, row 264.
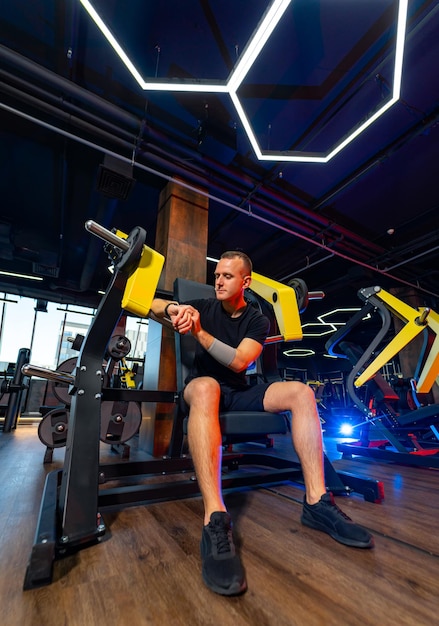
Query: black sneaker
column 326, row 516
column 222, row 569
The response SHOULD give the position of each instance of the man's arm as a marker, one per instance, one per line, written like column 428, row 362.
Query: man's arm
column 237, row 359
column 185, row 318
column 164, row 308
column 170, row 310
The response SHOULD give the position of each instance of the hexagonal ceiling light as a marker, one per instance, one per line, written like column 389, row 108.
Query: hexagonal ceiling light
column 262, row 33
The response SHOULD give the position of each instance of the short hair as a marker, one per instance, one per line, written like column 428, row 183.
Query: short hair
column 232, row 254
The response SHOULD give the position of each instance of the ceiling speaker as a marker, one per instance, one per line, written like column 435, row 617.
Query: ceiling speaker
column 115, row 178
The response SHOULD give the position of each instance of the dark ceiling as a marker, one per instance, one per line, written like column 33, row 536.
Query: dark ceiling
column 369, row 216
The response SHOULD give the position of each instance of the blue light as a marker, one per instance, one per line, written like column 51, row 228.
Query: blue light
column 346, row 429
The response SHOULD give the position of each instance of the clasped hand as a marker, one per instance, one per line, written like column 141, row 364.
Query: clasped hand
column 186, row 320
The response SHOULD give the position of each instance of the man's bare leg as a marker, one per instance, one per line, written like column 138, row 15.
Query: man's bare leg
column 222, row 570
column 319, row 510
column 306, row 431
column 204, row 436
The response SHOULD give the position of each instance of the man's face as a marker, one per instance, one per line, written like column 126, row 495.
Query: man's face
column 230, row 279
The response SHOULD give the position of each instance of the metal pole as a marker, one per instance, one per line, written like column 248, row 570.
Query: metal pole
column 106, row 235
column 42, row 372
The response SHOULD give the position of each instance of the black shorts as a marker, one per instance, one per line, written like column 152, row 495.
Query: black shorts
column 249, row 398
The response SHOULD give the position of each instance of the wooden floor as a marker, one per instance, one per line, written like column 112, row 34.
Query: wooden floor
column 147, row 570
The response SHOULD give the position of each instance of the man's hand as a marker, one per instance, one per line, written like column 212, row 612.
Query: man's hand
column 186, row 319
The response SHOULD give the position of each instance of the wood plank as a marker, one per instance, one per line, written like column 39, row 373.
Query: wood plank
column 147, row 569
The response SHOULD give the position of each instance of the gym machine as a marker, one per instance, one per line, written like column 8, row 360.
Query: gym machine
column 120, row 420
column 75, row 496
column 382, row 433
column 15, row 388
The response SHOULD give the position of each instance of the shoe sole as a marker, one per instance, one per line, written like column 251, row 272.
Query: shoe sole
column 347, row 542
column 234, row 590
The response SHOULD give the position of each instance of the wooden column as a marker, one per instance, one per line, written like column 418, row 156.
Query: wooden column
column 181, row 236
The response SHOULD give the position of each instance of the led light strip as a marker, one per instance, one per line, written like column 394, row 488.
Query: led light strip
column 251, row 52
column 14, row 275
column 332, row 327
column 299, row 352
column 155, row 84
column 254, row 46
column 309, row 157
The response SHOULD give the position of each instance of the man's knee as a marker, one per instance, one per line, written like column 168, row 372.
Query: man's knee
column 289, row 396
column 306, row 391
column 204, row 390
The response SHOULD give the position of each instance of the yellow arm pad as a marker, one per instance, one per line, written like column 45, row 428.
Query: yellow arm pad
column 142, row 284
column 284, row 302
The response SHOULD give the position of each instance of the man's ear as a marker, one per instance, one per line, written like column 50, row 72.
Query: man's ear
column 247, row 281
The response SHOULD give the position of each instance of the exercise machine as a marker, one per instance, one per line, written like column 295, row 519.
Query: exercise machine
column 120, row 420
column 15, row 388
column 386, row 432
column 75, row 497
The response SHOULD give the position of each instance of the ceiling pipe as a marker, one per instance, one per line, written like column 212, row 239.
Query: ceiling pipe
column 303, row 217
column 150, row 149
column 83, row 95
column 216, row 199
column 327, row 236
column 67, row 118
column 418, row 256
column 22, row 90
column 66, row 86
column 306, row 267
column 289, row 224
column 160, row 157
column 132, row 121
column 273, row 196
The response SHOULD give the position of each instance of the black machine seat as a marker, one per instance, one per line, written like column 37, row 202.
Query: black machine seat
column 236, row 426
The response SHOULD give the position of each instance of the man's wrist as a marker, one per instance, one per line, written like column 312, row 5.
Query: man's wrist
column 166, row 311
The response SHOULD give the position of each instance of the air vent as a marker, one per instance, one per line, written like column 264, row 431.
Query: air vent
column 45, row 270
column 115, row 178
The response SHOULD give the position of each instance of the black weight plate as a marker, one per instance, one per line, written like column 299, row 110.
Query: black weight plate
column 119, row 421
column 301, row 290
column 118, row 347
column 61, row 390
column 130, row 259
column 53, row 428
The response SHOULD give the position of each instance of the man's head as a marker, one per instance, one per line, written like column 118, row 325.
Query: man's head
column 232, row 275
column 246, row 261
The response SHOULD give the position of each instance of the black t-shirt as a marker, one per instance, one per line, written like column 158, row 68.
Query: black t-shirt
column 231, row 330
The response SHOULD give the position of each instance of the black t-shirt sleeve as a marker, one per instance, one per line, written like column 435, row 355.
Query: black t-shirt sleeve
column 259, row 328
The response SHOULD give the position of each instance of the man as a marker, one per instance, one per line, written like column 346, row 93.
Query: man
column 230, row 335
